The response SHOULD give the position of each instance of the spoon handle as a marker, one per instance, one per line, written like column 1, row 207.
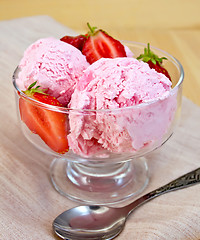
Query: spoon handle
column 184, row 181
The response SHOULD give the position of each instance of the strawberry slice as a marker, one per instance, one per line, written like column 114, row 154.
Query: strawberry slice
column 48, row 124
column 77, row 41
column 154, row 61
column 100, row 45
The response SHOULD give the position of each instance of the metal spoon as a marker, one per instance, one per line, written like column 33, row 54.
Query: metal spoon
column 101, row 222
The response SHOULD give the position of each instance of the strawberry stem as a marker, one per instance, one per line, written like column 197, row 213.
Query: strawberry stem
column 32, row 85
column 148, row 48
column 148, row 55
column 32, row 90
column 92, row 29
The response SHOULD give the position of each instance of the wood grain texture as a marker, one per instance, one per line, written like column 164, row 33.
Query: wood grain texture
column 112, row 14
column 29, row 203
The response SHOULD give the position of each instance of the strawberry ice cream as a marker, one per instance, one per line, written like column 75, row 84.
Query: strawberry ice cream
column 96, row 104
column 127, row 96
column 122, row 105
column 55, row 66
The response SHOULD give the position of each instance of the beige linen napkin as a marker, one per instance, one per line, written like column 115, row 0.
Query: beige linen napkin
column 28, row 202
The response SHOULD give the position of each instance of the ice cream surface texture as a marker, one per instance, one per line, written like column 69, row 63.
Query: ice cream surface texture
column 119, row 85
column 55, row 66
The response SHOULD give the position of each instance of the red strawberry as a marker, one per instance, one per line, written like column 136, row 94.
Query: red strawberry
column 154, row 61
column 48, row 124
column 77, row 41
column 99, row 44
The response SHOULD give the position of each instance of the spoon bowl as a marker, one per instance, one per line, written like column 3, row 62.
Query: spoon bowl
column 101, row 222
column 88, row 222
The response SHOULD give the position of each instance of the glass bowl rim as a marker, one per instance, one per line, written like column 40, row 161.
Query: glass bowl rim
column 66, row 109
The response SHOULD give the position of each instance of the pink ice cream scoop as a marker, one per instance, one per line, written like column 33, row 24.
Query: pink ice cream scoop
column 55, row 66
column 132, row 103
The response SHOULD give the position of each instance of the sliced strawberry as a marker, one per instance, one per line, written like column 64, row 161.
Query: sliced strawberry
column 77, row 41
column 154, row 61
column 48, row 124
column 100, row 45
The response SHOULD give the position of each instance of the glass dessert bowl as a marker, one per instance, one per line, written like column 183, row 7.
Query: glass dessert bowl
column 106, row 160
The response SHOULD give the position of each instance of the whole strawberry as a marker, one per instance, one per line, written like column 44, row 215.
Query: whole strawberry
column 77, row 41
column 154, row 61
column 101, row 45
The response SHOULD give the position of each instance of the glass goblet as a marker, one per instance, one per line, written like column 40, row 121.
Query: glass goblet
column 93, row 173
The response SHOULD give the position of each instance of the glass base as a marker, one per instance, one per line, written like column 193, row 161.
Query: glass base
column 101, row 184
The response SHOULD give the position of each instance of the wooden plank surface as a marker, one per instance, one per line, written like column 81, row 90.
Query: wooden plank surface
column 29, row 203
column 112, row 14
